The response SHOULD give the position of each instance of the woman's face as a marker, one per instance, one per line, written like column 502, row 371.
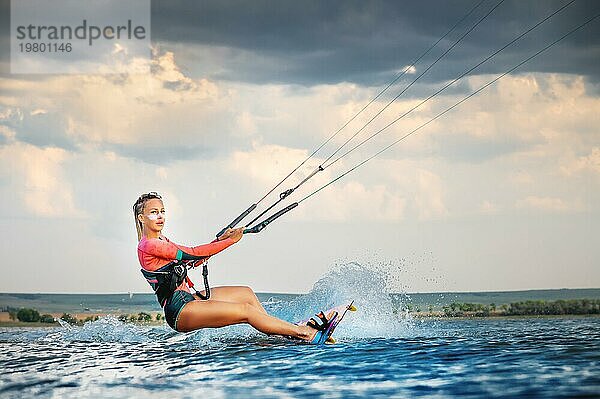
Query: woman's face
column 153, row 216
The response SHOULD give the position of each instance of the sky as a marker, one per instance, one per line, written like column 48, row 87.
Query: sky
column 501, row 193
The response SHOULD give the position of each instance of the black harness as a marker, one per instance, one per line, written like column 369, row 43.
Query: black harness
column 165, row 280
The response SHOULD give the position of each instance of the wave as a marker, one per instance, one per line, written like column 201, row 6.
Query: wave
column 379, row 315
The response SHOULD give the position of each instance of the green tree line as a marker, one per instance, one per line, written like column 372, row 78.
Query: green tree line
column 526, row 308
column 572, row 306
column 28, row 315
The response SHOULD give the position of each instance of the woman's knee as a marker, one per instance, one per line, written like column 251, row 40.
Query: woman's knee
column 243, row 288
column 249, row 291
column 245, row 293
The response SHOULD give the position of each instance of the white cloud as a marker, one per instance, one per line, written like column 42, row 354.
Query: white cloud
column 38, row 180
column 8, row 114
column 382, row 191
column 355, row 201
column 429, row 197
column 344, row 200
column 8, row 133
column 161, row 109
column 246, row 124
column 533, row 115
column 590, row 163
column 267, row 164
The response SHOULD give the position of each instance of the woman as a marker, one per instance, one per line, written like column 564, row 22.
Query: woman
column 161, row 262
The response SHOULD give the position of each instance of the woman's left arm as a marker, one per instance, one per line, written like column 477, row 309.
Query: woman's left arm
column 166, row 249
column 203, row 251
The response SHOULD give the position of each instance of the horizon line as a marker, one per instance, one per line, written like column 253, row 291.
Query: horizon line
column 305, row 293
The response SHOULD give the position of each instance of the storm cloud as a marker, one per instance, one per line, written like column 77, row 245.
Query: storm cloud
column 362, row 42
column 315, row 42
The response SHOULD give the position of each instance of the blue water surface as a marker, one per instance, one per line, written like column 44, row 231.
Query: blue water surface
column 381, row 352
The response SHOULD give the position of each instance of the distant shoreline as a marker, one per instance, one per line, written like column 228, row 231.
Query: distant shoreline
column 136, row 302
column 22, row 317
column 417, row 315
column 81, row 318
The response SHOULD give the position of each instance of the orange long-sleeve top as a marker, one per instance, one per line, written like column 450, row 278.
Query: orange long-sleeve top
column 154, row 253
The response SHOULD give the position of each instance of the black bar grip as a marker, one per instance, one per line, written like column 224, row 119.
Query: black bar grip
column 282, row 196
column 258, row 227
column 236, row 220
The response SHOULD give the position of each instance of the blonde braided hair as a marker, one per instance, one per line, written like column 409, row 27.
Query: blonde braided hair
column 138, row 209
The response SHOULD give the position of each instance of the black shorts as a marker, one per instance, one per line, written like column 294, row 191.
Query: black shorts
column 174, row 304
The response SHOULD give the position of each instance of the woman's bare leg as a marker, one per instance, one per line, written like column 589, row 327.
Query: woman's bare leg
column 235, row 294
column 212, row 313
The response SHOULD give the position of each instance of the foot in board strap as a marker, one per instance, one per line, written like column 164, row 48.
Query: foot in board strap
column 324, row 327
column 327, row 323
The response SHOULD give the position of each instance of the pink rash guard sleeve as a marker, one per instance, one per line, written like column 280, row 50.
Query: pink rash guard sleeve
column 154, row 253
column 165, row 249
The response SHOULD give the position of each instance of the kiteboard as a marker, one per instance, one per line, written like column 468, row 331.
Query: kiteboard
column 334, row 316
